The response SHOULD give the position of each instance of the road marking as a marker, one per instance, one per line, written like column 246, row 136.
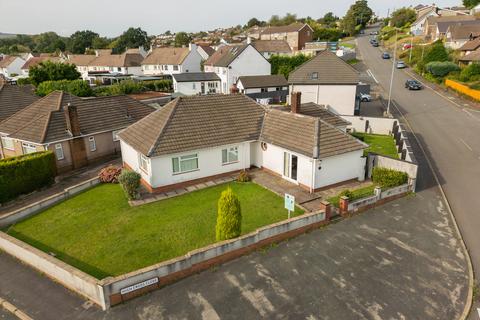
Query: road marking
column 14, row 310
column 470, row 114
column 370, row 73
column 466, row 144
column 208, row 312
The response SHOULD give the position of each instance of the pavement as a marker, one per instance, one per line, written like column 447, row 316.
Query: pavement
column 447, row 127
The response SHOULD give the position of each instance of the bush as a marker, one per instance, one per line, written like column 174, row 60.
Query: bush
column 79, row 88
column 110, row 174
column 441, row 69
column 159, row 85
column 243, row 176
column 53, row 71
column 229, row 216
column 436, row 52
column 470, row 72
column 388, row 178
column 130, row 181
column 131, row 86
column 346, row 193
column 285, row 64
column 23, row 81
column 26, row 173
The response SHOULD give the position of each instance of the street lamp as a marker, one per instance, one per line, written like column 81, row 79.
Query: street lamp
column 393, row 71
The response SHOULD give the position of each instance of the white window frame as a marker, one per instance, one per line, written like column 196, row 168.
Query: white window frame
column 115, row 135
column 27, row 146
column 59, row 147
column 228, row 152
column 184, row 158
column 6, row 141
column 92, row 147
column 143, row 163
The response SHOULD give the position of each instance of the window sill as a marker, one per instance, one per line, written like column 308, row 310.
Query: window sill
column 183, row 172
column 229, row 163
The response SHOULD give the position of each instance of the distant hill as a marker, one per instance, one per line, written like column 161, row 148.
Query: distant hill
column 7, row 35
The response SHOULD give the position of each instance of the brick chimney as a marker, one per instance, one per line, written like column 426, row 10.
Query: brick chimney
column 295, row 102
column 234, row 89
column 71, row 117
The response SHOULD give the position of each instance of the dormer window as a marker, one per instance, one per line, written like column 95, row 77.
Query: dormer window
column 314, row 75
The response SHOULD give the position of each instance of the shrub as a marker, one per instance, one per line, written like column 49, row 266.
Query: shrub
column 23, row 81
column 26, row 173
column 229, row 216
column 441, row 69
column 130, row 181
column 436, row 52
column 159, row 85
column 284, row 64
column 243, row 176
column 110, row 174
column 470, row 72
column 388, row 178
column 346, row 193
column 79, row 88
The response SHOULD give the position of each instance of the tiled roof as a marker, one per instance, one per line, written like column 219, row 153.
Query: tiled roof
column 276, row 80
column 319, row 111
column 328, row 68
column 209, row 50
column 196, row 76
column 6, row 61
column 307, row 135
column 445, row 21
column 196, row 122
column 277, row 46
column 14, row 99
column 294, row 27
column 167, row 56
column 44, row 120
column 81, row 60
column 471, row 45
column 225, row 55
column 462, row 31
column 118, row 60
column 472, row 56
column 36, row 60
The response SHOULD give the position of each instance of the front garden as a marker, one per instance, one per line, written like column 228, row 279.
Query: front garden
column 378, row 143
column 100, row 233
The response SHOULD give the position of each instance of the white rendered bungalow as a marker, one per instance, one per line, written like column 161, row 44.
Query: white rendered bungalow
column 198, row 138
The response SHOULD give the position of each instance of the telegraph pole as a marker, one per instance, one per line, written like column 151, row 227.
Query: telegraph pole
column 393, row 71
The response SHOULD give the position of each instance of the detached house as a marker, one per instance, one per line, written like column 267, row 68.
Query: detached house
column 34, row 61
column 127, row 63
column 436, row 27
column 295, row 34
column 81, row 61
column 205, row 51
column 327, row 80
column 168, row 61
column 459, row 34
column 14, row 98
column 272, row 47
column 11, row 66
column 264, row 89
column 197, row 138
column 196, row 83
column 232, row 62
column 79, row 131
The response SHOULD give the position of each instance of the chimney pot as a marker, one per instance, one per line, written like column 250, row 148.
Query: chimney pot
column 234, row 89
column 296, row 101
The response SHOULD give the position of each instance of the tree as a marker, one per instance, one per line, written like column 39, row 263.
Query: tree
column 470, row 3
column 49, row 42
column 285, row 64
column 81, row 40
column 254, row 22
column 289, row 18
column 100, row 43
column 229, row 216
column 182, row 39
column 329, row 20
column 402, row 17
column 51, row 71
column 79, row 88
column 436, row 53
column 358, row 14
column 327, row 34
column 132, row 38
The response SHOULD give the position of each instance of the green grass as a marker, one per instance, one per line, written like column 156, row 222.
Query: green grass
column 99, row 233
column 353, row 61
column 381, row 144
column 356, row 194
column 347, row 45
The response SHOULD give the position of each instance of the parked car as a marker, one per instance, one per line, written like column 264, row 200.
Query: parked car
column 412, row 84
column 407, row 46
column 362, row 32
column 385, row 55
column 375, row 43
column 401, row 64
column 365, row 97
column 373, row 33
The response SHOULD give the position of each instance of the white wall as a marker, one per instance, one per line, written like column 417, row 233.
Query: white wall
column 131, row 157
column 14, row 67
column 192, row 62
column 186, row 88
column 375, row 125
column 137, row 71
column 209, row 164
column 340, row 168
column 341, row 98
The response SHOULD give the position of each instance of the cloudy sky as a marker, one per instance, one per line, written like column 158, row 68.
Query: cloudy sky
column 111, row 17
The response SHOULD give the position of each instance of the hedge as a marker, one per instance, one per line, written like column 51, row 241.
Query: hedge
column 79, row 88
column 388, row 178
column 26, row 173
column 441, row 68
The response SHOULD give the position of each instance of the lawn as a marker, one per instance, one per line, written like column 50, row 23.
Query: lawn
column 381, row 144
column 356, row 194
column 99, row 233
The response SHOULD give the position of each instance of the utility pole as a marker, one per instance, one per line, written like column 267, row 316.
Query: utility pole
column 411, row 49
column 393, row 71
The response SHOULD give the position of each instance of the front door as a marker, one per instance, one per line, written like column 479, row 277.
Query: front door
column 203, row 87
column 290, row 166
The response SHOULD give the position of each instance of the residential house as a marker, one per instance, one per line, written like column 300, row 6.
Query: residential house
column 436, row 27
column 198, row 138
column 168, row 61
column 327, row 80
column 459, row 34
column 14, row 98
column 11, row 66
column 79, row 131
column 107, row 66
column 475, row 10
column 34, row 61
column 264, row 89
column 196, row 83
column 296, row 34
column 234, row 61
column 472, row 57
column 205, row 51
column 272, row 47
column 470, row 46
column 81, row 61
column 417, row 27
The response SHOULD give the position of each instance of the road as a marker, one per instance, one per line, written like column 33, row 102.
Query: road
column 448, row 131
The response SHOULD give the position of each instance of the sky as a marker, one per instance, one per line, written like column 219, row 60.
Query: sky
column 112, row 17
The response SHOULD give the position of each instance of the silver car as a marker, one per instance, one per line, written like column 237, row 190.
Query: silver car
column 401, row 64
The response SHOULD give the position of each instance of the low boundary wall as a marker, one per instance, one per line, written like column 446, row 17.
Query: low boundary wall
column 34, row 208
column 463, row 89
column 377, row 160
